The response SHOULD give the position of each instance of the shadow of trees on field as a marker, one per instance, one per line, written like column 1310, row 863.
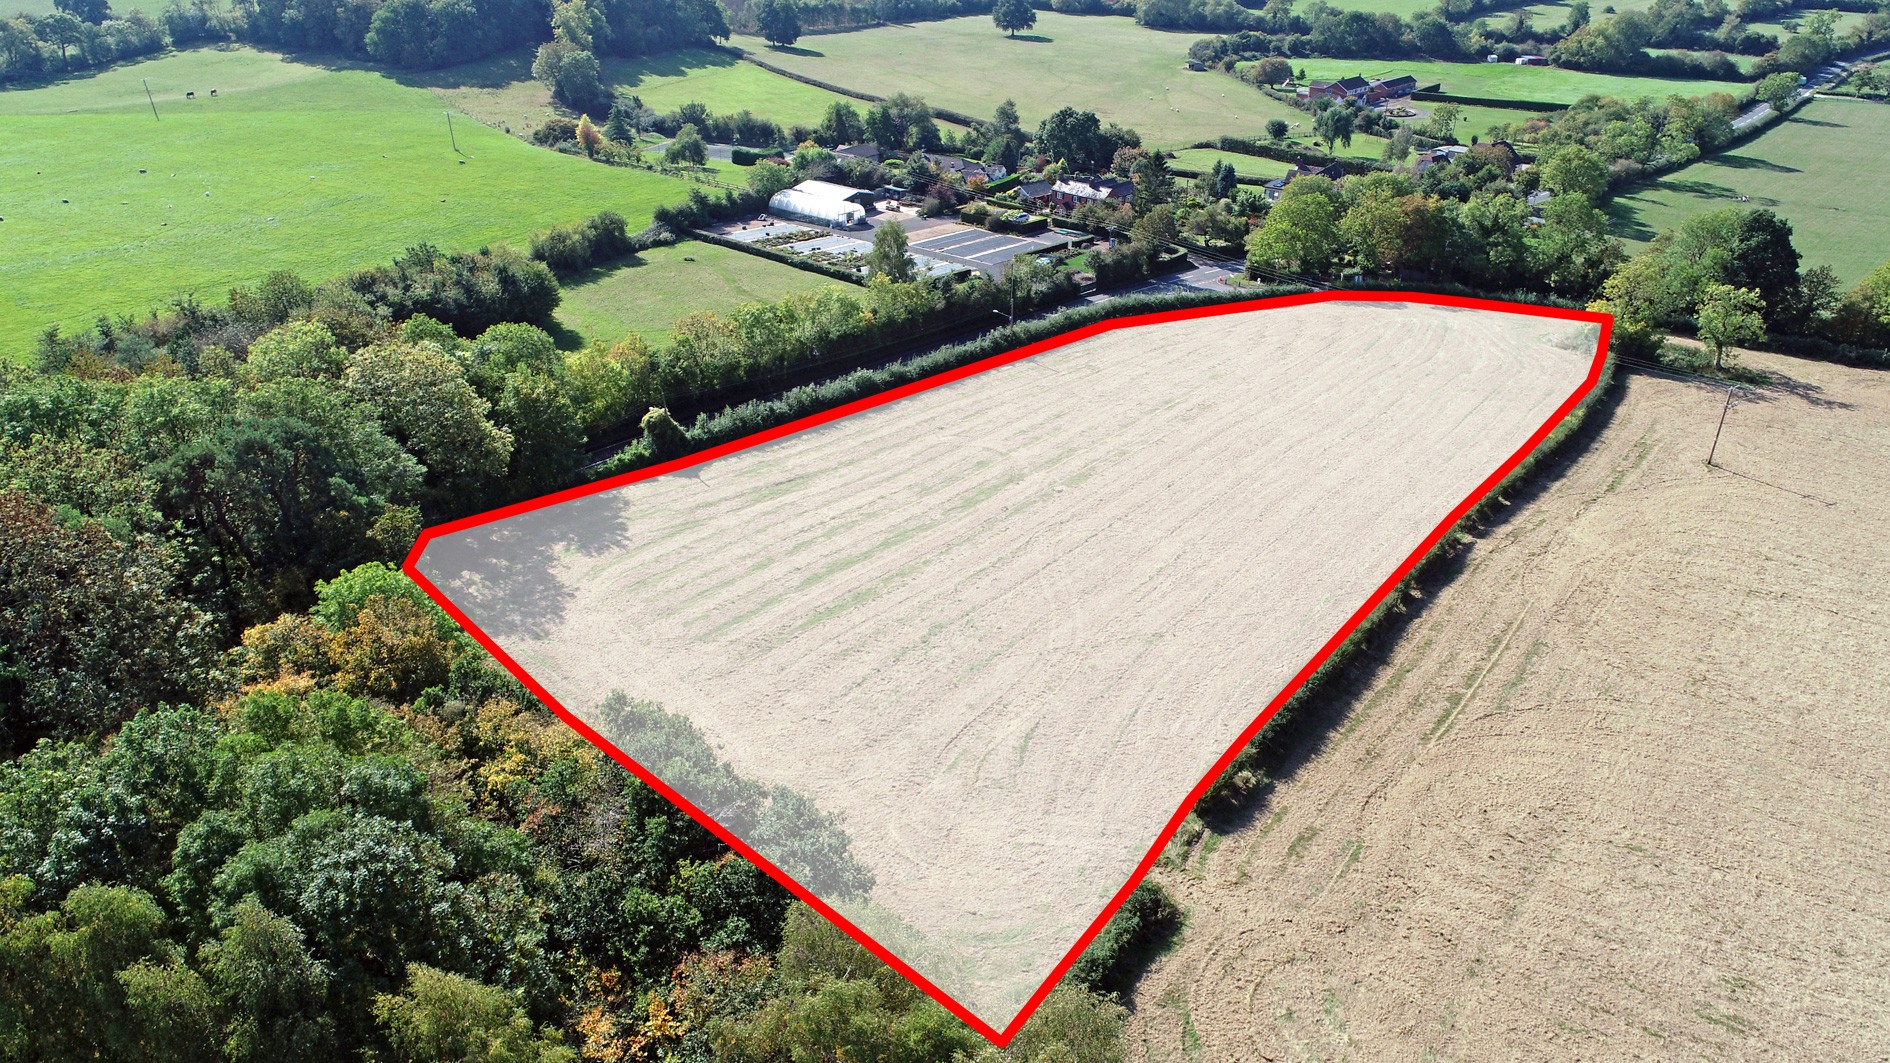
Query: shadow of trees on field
column 1748, row 162
column 492, row 72
column 629, row 73
column 504, row 574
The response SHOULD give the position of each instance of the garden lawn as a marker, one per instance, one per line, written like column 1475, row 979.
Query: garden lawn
column 292, row 167
column 1203, row 159
column 1507, row 81
column 1818, row 169
column 647, row 293
column 500, row 90
column 1477, row 120
column 1111, row 66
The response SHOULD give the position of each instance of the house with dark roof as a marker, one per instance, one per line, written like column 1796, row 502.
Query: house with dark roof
column 1331, row 171
column 1391, row 88
column 866, row 151
column 1352, row 88
column 1035, row 193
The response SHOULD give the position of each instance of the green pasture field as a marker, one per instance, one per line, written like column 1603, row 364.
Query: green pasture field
column 500, row 91
column 1202, row 159
column 36, row 8
column 293, row 166
column 1743, row 62
column 1401, row 8
column 647, row 293
column 1846, row 21
column 1111, row 66
column 1507, row 81
column 1813, row 169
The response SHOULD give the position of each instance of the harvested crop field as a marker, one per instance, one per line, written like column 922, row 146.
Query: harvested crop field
column 1000, row 628
column 1615, row 792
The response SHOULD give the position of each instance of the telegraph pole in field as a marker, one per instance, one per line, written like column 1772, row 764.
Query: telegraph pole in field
column 150, row 98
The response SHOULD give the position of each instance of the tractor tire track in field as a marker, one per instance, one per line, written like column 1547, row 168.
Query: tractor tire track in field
column 1651, row 822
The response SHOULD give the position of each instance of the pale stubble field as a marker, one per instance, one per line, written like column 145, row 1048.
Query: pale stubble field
column 1000, row 628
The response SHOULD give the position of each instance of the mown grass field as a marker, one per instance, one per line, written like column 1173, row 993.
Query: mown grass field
column 1846, row 21
column 293, row 166
column 1123, row 72
column 500, row 90
column 646, row 294
column 1507, row 81
column 1818, row 169
column 10, row 8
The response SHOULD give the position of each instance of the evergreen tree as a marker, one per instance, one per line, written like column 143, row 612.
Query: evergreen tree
column 619, row 128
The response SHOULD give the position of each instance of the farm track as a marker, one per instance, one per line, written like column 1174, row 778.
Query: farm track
column 1614, row 792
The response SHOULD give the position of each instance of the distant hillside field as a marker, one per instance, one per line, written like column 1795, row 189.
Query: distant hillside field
column 291, row 166
column 1817, row 169
column 500, row 91
column 1111, row 66
column 1507, row 81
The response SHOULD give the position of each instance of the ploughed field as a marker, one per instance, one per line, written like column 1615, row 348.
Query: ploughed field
column 1616, row 790
column 1000, row 628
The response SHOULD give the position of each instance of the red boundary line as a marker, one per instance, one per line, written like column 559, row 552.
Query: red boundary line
column 1003, row 1037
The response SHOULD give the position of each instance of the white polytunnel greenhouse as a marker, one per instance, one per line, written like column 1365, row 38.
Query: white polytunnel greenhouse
column 823, row 203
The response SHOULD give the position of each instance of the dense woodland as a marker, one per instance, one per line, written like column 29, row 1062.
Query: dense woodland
column 263, row 796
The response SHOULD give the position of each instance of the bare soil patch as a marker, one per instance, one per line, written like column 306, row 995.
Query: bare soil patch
column 1002, row 627
column 1616, row 791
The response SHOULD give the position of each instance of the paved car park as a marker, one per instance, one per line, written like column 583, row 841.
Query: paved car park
column 987, row 252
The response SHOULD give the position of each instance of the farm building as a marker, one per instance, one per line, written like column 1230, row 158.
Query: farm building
column 1532, row 60
column 1331, row 171
column 823, row 203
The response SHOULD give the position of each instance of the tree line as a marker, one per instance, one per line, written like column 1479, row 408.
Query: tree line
column 405, row 34
column 263, row 800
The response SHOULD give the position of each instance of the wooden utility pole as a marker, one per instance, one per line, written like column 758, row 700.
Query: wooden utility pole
column 1723, row 411
column 449, row 132
column 151, row 98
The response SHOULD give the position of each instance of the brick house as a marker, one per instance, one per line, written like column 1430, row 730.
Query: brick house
column 1391, row 88
column 1332, row 171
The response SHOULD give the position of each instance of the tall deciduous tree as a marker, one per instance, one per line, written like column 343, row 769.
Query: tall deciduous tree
column 779, row 22
column 1728, row 317
column 90, row 627
column 1300, row 235
column 888, row 257
column 1575, row 171
column 687, row 148
column 1013, row 15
